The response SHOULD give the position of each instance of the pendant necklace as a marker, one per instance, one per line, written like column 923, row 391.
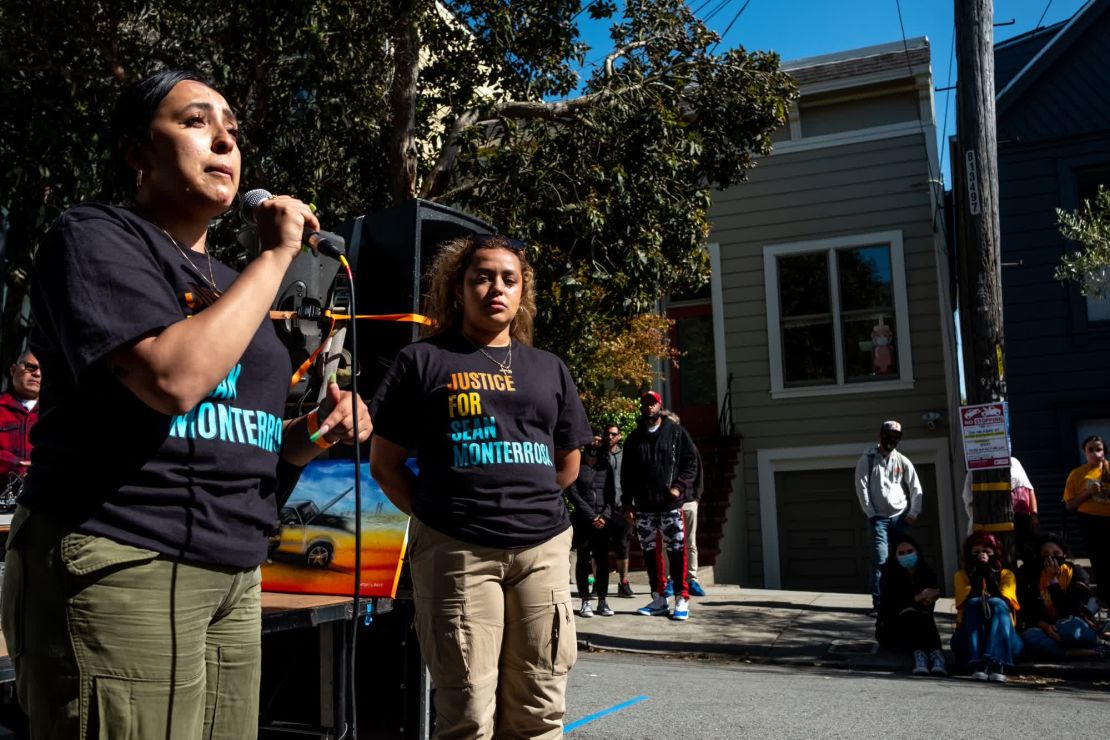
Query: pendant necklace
column 505, row 367
column 211, row 279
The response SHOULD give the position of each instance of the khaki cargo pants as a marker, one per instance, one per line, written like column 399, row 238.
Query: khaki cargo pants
column 113, row 641
column 496, row 629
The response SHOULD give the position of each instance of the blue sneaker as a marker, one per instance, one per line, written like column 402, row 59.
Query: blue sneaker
column 669, row 590
column 694, row 587
column 657, row 608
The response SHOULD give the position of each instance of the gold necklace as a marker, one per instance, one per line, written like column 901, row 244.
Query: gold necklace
column 505, row 367
column 211, row 279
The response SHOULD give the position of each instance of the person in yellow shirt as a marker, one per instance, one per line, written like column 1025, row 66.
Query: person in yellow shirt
column 986, row 611
column 1088, row 493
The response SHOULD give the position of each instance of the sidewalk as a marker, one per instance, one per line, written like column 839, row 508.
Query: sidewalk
column 783, row 627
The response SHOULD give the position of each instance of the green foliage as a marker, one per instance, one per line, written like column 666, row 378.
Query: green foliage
column 1090, row 226
column 611, row 189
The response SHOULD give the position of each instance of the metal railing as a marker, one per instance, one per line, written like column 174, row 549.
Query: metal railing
column 724, row 420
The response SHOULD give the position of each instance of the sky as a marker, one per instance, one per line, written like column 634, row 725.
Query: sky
column 805, row 28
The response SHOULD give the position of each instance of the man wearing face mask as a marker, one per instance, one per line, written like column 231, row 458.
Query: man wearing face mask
column 657, row 477
column 890, row 494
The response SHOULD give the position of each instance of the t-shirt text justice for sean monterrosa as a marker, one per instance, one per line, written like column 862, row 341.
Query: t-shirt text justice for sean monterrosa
column 475, row 434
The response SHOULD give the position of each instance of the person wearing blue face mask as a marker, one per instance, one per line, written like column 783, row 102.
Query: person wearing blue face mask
column 908, row 594
column 890, row 494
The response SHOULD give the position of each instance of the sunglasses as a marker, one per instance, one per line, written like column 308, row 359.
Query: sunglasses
column 30, row 367
column 497, row 240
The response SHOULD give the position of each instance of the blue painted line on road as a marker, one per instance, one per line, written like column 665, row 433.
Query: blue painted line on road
column 598, row 715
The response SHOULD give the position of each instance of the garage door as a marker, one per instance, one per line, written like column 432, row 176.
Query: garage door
column 824, row 543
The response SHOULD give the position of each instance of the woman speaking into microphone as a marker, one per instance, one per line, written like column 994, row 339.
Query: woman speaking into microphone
column 131, row 598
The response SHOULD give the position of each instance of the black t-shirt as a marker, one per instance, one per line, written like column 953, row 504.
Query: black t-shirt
column 198, row 486
column 485, row 442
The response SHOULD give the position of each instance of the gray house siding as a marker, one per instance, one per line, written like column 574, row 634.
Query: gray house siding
column 852, row 189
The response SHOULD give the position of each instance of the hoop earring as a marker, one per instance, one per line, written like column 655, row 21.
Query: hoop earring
column 139, row 180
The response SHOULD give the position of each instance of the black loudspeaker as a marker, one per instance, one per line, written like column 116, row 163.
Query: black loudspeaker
column 390, row 253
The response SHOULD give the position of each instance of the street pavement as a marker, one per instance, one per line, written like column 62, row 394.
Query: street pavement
column 648, row 697
column 781, row 627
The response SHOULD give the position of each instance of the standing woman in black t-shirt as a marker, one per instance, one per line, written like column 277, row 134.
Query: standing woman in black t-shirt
column 131, row 598
column 496, row 426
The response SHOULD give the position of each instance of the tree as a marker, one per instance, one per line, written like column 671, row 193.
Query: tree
column 1089, row 225
column 359, row 105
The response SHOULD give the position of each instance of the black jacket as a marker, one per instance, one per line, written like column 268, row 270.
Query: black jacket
column 1067, row 603
column 656, row 462
column 898, row 587
column 594, row 493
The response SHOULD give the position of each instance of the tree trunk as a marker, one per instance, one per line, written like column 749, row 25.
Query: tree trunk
column 405, row 38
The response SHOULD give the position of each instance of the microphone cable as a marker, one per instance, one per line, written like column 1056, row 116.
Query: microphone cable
column 356, row 599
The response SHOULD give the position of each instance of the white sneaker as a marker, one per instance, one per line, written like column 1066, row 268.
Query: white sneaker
column 657, row 607
column 603, row 609
column 979, row 675
column 996, row 675
column 920, row 663
column 586, row 611
column 936, row 663
column 681, row 609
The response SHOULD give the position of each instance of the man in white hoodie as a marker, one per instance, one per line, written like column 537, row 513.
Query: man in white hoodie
column 884, row 477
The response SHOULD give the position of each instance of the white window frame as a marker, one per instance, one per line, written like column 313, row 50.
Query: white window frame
column 771, row 253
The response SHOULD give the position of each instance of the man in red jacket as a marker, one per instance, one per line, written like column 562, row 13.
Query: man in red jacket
column 18, row 413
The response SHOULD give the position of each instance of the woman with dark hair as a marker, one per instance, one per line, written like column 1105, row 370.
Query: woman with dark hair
column 132, row 598
column 1053, row 593
column 1087, row 492
column 594, row 500
column 908, row 593
column 986, row 610
column 496, row 426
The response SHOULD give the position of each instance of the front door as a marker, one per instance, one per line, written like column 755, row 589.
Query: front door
column 694, row 381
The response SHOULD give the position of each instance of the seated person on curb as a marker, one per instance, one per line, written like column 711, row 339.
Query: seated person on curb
column 1053, row 594
column 907, row 596
column 594, row 499
column 986, row 610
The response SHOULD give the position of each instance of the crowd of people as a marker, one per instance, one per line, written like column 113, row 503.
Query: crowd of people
column 648, row 488
column 1046, row 610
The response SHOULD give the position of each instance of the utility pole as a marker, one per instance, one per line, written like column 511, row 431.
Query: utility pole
column 975, row 186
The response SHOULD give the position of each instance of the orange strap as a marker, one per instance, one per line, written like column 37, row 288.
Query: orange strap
column 300, row 371
column 414, row 318
column 333, row 317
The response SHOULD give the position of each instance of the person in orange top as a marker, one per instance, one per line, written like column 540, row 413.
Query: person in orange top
column 1088, row 492
column 986, row 610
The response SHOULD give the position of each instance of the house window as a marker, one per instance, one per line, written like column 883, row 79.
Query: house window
column 837, row 316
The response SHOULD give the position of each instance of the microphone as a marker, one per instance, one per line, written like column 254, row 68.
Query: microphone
column 320, row 242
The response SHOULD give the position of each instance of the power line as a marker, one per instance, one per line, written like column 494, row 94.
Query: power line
column 1039, row 21
column 716, row 10
column 730, row 24
column 947, row 101
column 933, row 179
